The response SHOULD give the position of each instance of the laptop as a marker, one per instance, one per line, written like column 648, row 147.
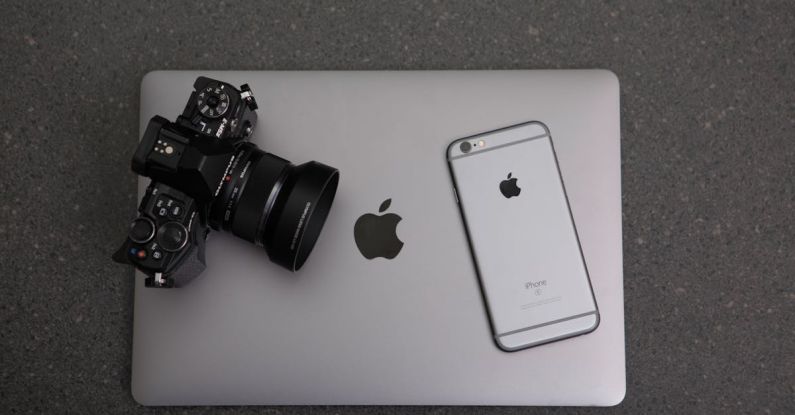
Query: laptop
column 411, row 330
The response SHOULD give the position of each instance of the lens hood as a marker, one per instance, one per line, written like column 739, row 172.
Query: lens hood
column 298, row 215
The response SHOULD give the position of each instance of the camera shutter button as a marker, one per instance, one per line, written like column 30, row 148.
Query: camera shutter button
column 172, row 236
column 141, row 230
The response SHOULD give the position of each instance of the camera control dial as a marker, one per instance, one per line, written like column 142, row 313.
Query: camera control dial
column 142, row 230
column 172, row 236
column 213, row 101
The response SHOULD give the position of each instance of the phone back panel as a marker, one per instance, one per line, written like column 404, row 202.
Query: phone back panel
column 520, row 228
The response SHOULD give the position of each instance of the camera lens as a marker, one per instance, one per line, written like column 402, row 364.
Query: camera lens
column 272, row 203
column 465, row 147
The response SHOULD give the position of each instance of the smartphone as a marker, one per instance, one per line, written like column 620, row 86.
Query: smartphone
column 522, row 236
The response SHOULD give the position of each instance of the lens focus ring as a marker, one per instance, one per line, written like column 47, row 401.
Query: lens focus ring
column 251, row 205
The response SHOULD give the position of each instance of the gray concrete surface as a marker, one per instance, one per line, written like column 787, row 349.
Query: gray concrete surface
column 708, row 116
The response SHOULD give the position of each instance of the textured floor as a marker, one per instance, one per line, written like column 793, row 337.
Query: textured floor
column 708, row 120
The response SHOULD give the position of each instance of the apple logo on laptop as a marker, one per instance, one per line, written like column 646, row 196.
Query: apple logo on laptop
column 376, row 235
column 508, row 187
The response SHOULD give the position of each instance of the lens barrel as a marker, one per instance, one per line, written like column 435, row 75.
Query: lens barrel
column 272, row 203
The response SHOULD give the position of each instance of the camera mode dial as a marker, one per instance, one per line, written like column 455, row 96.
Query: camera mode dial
column 213, row 101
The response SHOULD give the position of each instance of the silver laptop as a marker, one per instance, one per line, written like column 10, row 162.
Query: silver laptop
column 411, row 330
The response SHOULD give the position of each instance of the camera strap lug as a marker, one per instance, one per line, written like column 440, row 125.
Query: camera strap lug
column 246, row 95
column 159, row 281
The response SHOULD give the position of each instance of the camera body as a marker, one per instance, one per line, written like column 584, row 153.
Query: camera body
column 206, row 175
column 187, row 161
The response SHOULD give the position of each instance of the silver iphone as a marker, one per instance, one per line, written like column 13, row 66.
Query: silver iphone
column 522, row 236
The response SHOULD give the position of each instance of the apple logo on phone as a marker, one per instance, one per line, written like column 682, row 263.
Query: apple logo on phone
column 376, row 235
column 508, row 187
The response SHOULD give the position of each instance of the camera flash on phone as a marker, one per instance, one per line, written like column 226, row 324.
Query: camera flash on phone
column 481, row 143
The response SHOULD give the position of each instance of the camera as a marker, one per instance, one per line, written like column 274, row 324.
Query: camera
column 465, row 147
column 207, row 175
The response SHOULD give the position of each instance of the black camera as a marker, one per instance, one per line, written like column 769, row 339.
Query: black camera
column 206, row 175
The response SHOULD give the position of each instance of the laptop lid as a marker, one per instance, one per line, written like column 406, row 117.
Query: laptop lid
column 411, row 330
